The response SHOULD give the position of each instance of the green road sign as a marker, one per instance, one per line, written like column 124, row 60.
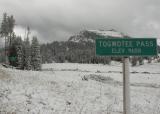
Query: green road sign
column 126, row 46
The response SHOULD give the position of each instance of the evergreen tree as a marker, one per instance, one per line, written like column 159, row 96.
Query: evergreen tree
column 11, row 24
column 4, row 33
column 19, row 51
column 27, row 54
column 4, row 26
column 27, row 51
column 12, row 54
column 35, row 54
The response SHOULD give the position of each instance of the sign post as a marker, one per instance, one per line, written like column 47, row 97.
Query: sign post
column 126, row 47
column 126, row 86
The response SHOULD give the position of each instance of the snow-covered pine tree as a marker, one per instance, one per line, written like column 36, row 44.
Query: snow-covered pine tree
column 35, row 54
column 27, row 54
column 4, row 33
column 19, row 51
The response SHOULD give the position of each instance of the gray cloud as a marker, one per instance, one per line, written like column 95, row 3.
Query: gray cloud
column 58, row 19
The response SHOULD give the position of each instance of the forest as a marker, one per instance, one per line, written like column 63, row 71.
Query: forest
column 18, row 53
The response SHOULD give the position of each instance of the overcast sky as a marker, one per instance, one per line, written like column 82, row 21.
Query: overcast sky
column 54, row 20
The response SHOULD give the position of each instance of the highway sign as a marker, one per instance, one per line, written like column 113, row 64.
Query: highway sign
column 126, row 46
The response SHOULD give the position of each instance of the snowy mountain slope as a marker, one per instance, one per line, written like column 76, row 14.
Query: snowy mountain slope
column 91, row 35
column 112, row 33
column 61, row 89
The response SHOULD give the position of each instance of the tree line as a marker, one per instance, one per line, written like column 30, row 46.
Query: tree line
column 76, row 52
column 19, row 53
column 72, row 52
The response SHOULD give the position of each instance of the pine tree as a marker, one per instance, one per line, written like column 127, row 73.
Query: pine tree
column 35, row 54
column 11, row 24
column 19, row 51
column 4, row 26
column 27, row 54
column 19, row 56
column 12, row 50
column 27, row 51
column 4, row 33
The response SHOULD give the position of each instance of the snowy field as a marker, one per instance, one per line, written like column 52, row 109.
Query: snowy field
column 65, row 88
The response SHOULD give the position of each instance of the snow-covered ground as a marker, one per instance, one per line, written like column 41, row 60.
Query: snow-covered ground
column 66, row 88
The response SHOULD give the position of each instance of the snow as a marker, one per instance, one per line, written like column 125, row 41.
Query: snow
column 60, row 89
column 107, row 33
column 77, row 39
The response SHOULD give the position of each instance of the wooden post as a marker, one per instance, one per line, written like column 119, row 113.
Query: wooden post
column 126, row 86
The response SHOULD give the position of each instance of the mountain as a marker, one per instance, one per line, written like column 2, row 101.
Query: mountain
column 79, row 48
column 91, row 35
